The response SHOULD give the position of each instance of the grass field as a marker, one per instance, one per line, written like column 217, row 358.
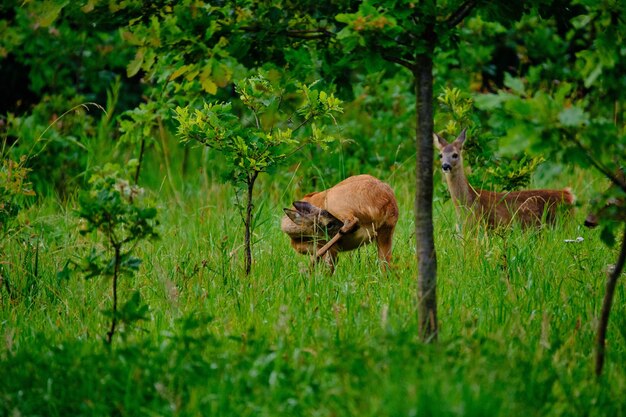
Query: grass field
column 517, row 312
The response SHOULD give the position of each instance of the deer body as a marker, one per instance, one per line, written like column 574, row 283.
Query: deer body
column 361, row 207
column 496, row 208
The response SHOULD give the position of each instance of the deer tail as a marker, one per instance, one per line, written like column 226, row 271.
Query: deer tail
column 568, row 196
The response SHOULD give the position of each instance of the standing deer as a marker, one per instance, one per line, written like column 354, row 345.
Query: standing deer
column 358, row 210
column 496, row 208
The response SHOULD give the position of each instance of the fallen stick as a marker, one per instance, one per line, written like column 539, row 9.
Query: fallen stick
column 347, row 228
column 322, row 251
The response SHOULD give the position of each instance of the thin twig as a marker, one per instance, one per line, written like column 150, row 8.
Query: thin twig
column 303, row 123
column 309, row 35
column 408, row 64
column 461, row 13
column 84, row 105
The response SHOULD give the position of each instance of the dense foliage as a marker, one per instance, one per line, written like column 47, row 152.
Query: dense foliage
column 185, row 95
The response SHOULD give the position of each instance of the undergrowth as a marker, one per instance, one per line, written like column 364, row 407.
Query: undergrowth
column 518, row 312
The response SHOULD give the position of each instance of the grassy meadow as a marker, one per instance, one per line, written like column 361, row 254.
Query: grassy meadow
column 517, row 312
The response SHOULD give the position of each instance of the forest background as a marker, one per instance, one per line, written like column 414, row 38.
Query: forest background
column 146, row 146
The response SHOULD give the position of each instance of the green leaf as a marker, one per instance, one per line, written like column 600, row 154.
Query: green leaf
column 222, row 74
column 131, row 263
column 48, row 12
column 491, row 101
column 66, row 272
column 132, row 310
column 345, row 17
column 593, row 75
column 515, row 84
column 135, row 65
column 208, row 85
column 572, row 117
column 180, row 71
column 608, row 236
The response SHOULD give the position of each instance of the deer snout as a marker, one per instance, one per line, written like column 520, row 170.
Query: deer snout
column 591, row 221
column 446, row 167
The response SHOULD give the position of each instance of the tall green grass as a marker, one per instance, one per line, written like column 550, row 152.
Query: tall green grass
column 517, row 311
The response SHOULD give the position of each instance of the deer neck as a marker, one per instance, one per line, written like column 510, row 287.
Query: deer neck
column 463, row 195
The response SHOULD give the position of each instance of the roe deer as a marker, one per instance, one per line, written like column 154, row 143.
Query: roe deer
column 361, row 208
column 496, row 208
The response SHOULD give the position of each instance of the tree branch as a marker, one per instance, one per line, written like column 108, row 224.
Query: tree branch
column 407, row 64
column 614, row 179
column 294, row 33
column 461, row 13
column 606, row 306
column 309, row 34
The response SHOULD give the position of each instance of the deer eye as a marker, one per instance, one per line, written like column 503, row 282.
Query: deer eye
column 440, row 156
column 455, row 155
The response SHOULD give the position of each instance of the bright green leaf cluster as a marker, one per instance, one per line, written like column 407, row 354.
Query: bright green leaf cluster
column 13, row 187
column 503, row 173
column 112, row 207
column 270, row 138
column 457, row 111
column 515, row 173
column 318, row 103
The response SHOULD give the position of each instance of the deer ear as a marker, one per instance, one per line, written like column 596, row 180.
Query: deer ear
column 304, row 213
column 440, row 142
column 461, row 138
column 306, row 208
column 307, row 213
column 293, row 215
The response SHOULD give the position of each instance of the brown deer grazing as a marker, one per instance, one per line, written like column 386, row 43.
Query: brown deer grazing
column 360, row 208
column 496, row 208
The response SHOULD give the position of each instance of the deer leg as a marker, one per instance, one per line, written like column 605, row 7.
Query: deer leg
column 349, row 225
column 329, row 257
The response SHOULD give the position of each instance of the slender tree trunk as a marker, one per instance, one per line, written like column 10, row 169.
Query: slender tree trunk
column 166, row 160
column 116, row 272
column 248, row 221
column 426, row 255
column 141, row 152
column 606, row 306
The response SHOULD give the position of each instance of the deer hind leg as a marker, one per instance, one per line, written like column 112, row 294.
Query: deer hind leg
column 349, row 225
column 331, row 260
column 384, row 241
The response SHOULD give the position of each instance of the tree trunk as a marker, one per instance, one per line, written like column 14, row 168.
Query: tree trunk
column 606, row 306
column 426, row 255
column 141, row 152
column 248, row 221
column 116, row 272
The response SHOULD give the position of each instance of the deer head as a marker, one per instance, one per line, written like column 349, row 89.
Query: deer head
column 312, row 220
column 450, row 153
